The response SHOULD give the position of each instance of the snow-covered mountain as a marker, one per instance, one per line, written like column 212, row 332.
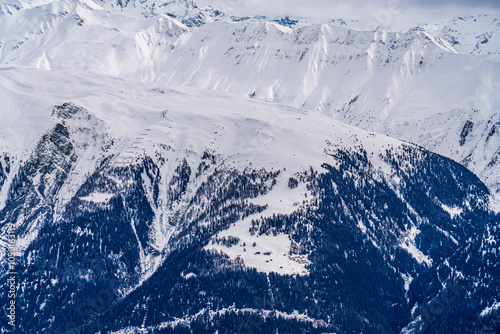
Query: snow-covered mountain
column 126, row 195
column 477, row 35
column 170, row 169
column 405, row 85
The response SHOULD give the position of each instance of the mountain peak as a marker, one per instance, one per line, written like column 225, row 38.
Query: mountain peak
column 185, row 11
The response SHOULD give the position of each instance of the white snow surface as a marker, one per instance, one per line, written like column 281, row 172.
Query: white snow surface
column 489, row 309
column 414, row 86
column 270, row 253
column 452, row 211
column 149, row 82
column 477, row 34
column 407, row 242
column 182, row 123
column 188, row 119
column 97, row 197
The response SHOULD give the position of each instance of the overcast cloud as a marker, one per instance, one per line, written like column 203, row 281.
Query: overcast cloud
column 390, row 13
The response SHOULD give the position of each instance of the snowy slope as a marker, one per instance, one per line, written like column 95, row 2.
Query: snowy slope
column 185, row 11
column 477, row 35
column 404, row 85
column 149, row 120
column 154, row 151
column 124, row 121
column 127, row 193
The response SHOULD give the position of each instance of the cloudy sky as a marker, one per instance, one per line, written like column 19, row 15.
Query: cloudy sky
column 391, row 13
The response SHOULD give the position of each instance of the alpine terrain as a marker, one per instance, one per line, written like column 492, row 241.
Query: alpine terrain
column 169, row 168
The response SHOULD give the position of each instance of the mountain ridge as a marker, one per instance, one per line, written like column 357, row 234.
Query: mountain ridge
column 169, row 169
column 378, row 81
column 157, row 195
